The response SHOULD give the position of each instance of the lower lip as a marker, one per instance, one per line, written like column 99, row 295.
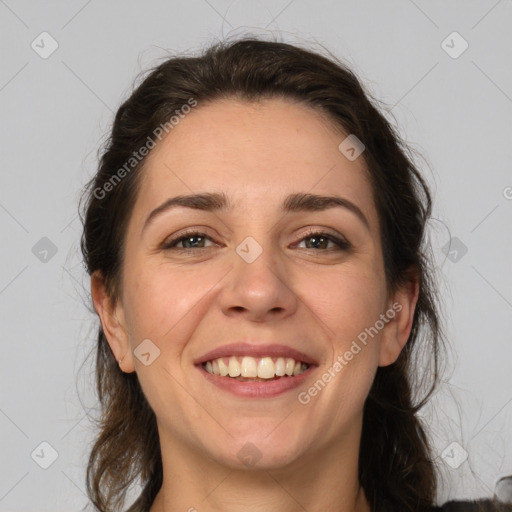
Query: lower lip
column 256, row 389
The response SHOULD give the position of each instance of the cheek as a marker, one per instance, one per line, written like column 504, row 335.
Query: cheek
column 348, row 302
column 163, row 303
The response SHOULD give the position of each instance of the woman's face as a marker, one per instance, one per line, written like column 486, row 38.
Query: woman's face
column 257, row 283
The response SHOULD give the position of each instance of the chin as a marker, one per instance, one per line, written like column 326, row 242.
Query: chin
column 257, row 450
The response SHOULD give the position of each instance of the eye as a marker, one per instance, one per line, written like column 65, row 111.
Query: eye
column 192, row 240
column 321, row 239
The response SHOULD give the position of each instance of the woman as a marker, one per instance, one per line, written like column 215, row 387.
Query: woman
column 254, row 237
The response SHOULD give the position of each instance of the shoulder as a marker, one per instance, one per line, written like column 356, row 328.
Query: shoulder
column 474, row 506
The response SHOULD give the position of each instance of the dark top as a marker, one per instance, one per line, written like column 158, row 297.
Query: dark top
column 474, row 506
column 482, row 505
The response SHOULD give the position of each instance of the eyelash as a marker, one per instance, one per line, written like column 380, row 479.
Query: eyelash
column 343, row 245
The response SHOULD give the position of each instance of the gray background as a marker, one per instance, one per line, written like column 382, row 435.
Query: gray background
column 55, row 111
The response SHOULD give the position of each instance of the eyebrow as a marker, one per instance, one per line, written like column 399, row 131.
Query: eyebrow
column 297, row 202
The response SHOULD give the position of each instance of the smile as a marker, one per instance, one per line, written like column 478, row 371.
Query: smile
column 257, row 369
column 256, row 387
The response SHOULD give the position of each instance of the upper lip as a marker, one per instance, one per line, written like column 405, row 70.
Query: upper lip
column 255, row 350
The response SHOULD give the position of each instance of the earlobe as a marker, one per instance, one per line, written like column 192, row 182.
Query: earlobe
column 112, row 321
column 396, row 333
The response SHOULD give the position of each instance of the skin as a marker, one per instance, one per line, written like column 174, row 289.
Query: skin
column 316, row 299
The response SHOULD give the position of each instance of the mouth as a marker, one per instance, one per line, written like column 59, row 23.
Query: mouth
column 256, row 371
column 252, row 369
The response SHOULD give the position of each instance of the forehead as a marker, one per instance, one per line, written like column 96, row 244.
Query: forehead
column 254, row 152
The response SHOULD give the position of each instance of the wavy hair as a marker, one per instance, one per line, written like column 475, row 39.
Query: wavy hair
column 396, row 466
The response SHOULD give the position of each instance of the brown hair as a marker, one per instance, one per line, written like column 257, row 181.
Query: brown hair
column 395, row 462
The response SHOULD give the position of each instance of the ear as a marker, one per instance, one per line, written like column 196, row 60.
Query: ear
column 113, row 322
column 396, row 332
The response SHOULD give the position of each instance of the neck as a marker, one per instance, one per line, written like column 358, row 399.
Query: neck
column 324, row 481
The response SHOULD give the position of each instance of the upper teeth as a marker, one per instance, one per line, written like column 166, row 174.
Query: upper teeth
column 264, row 368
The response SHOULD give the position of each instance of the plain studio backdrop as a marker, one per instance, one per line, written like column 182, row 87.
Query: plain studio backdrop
column 443, row 70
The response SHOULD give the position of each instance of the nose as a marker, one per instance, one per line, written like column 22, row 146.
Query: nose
column 260, row 291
